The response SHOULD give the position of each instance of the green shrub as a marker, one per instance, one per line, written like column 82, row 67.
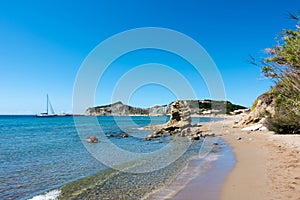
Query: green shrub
column 283, row 66
column 254, row 105
column 284, row 124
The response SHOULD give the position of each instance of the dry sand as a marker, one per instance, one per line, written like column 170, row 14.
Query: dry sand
column 267, row 168
column 268, row 165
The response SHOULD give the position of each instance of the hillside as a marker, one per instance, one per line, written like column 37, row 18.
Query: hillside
column 196, row 107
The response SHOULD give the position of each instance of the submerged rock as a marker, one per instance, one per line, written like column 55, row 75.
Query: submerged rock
column 209, row 134
column 196, row 137
column 92, row 139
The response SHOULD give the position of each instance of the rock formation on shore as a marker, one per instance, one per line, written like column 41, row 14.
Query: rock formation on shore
column 263, row 107
column 179, row 124
column 180, row 117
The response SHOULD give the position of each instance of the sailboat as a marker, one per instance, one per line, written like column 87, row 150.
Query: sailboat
column 49, row 107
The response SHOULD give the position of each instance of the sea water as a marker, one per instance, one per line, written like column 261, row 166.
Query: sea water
column 46, row 157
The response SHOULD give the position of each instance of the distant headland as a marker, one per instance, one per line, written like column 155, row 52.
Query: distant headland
column 197, row 107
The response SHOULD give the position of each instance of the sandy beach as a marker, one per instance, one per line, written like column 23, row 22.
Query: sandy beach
column 267, row 167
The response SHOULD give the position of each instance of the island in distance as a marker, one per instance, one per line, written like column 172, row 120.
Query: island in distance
column 197, row 107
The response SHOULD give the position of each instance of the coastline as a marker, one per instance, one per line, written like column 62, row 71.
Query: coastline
column 267, row 167
column 204, row 173
column 207, row 185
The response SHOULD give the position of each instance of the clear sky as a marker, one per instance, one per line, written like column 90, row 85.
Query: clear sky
column 43, row 43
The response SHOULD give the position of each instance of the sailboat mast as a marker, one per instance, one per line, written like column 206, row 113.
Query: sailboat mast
column 47, row 103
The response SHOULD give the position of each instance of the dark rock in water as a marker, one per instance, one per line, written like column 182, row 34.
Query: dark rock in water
column 153, row 136
column 196, row 137
column 125, row 135
column 172, row 129
column 159, row 134
column 209, row 134
column 92, row 139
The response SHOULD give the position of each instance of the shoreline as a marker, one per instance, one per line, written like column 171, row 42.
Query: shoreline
column 203, row 171
column 207, row 185
column 267, row 165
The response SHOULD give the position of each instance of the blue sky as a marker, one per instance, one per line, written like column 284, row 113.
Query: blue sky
column 43, row 43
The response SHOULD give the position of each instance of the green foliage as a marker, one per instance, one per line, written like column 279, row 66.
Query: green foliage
column 283, row 66
column 254, row 105
column 193, row 104
column 232, row 107
column 224, row 107
column 285, row 124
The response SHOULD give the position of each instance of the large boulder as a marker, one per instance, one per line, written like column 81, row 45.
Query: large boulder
column 92, row 139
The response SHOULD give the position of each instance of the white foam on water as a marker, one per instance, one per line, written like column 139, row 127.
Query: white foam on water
column 212, row 157
column 52, row 195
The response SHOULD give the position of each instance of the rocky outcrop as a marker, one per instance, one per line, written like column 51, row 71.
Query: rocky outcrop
column 179, row 123
column 263, row 108
column 180, row 117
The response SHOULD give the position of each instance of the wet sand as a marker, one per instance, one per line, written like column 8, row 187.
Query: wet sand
column 208, row 185
column 267, row 167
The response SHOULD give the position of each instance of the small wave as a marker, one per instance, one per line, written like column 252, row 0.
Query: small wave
column 52, row 195
column 140, row 128
column 212, row 157
column 194, row 167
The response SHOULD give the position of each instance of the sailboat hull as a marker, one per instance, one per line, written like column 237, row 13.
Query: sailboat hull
column 44, row 115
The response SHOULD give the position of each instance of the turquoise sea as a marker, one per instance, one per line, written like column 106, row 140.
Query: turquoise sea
column 45, row 157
